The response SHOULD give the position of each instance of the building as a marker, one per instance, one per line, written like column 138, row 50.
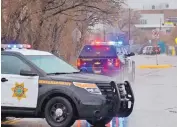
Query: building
column 153, row 6
column 164, row 19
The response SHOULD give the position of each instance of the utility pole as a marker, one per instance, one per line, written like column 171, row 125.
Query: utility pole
column 160, row 24
column 104, row 33
column 160, row 27
column 129, row 25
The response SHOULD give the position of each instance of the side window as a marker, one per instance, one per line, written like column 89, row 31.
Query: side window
column 12, row 65
column 119, row 51
column 125, row 51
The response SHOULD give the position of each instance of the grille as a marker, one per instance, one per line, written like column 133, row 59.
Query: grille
column 107, row 90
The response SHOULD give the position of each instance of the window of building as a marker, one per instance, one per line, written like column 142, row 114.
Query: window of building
column 143, row 21
column 167, row 5
column 153, row 6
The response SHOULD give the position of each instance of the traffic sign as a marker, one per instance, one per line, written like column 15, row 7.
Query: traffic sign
column 155, row 34
column 131, row 42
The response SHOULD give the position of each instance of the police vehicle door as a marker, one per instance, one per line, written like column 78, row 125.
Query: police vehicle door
column 120, row 55
column 17, row 90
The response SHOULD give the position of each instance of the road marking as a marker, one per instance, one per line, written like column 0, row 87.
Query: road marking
column 113, row 123
column 117, row 122
column 15, row 121
column 6, row 121
column 11, row 121
column 78, row 123
column 155, row 66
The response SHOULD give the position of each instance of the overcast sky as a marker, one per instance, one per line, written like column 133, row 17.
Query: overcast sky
column 140, row 3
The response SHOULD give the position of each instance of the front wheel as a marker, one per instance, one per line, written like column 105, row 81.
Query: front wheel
column 101, row 122
column 59, row 112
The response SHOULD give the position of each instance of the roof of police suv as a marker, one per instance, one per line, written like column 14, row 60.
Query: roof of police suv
column 29, row 51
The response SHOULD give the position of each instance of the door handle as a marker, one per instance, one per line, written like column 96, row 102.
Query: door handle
column 4, row 80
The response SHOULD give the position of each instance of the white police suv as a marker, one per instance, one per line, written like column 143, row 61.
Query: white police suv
column 39, row 84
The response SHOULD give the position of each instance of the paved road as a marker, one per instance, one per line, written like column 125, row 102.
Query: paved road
column 155, row 94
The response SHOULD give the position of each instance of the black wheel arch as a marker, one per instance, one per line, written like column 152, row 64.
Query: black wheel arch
column 54, row 93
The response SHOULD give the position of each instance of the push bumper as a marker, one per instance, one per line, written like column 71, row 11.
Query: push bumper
column 95, row 110
column 127, row 99
column 120, row 105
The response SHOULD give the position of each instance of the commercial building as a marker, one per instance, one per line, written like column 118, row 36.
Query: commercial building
column 164, row 19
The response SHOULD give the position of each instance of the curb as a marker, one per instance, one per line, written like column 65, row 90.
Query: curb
column 155, row 66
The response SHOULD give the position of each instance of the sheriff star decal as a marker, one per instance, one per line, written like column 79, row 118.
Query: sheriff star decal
column 19, row 91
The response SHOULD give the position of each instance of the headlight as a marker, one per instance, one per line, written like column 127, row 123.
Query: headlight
column 90, row 87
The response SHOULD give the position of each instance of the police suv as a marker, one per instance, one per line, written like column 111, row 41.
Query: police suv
column 108, row 59
column 38, row 84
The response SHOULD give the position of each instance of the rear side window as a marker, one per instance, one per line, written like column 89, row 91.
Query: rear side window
column 125, row 51
column 122, row 51
column 98, row 51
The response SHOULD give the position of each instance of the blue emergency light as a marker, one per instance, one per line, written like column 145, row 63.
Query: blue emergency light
column 112, row 43
column 116, row 43
column 120, row 42
column 15, row 46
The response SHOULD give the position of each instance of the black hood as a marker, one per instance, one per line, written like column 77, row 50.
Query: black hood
column 83, row 77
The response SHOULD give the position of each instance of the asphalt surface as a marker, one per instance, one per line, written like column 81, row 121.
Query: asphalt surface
column 155, row 93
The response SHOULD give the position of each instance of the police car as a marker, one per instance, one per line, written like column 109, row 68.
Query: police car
column 106, row 58
column 39, row 84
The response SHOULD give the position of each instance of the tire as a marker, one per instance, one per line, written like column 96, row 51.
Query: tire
column 100, row 123
column 3, row 118
column 65, row 112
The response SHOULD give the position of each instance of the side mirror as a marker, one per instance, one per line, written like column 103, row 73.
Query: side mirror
column 132, row 54
column 27, row 73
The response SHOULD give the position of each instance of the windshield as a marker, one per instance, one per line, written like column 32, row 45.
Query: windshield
column 51, row 64
column 98, row 51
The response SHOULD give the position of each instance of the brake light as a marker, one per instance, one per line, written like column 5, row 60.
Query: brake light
column 107, row 48
column 117, row 62
column 78, row 62
column 110, row 62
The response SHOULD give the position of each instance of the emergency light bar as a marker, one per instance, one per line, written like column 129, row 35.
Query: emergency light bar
column 107, row 43
column 98, row 43
column 16, row 46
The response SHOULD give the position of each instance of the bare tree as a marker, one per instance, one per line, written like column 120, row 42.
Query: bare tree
column 125, row 18
column 45, row 23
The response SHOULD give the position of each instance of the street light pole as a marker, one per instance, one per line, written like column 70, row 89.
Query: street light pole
column 158, row 40
column 104, row 33
column 129, row 26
